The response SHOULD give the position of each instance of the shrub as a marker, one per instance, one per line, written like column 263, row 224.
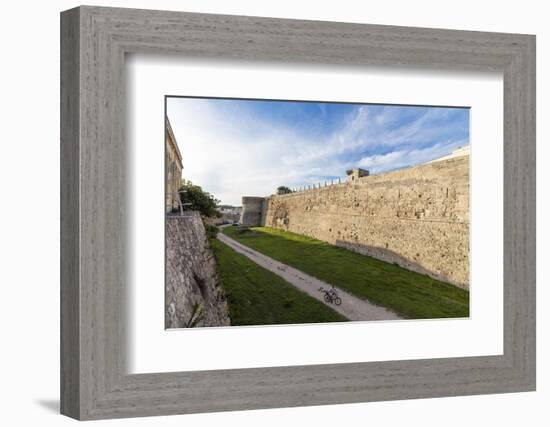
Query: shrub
column 283, row 190
column 211, row 231
column 194, row 198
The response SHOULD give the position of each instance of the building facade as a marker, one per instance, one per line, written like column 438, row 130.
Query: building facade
column 173, row 169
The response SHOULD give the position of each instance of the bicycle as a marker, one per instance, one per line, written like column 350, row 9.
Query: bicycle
column 331, row 296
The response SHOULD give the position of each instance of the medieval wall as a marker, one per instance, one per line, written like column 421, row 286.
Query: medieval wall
column 416, row 217
column 194, row 296
column 174, row 166
column 252, row 211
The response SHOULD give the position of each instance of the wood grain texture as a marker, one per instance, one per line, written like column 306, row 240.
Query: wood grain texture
column 95, row 236
column 70, row 292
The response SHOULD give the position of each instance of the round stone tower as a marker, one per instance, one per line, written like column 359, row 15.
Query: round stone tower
column 253, row 211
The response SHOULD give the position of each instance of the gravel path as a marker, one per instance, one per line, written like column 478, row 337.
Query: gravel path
column 352, row 307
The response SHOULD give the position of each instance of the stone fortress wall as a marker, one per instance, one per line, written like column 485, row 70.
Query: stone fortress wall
column 253, row 211
column 194, row 295
column 416, row 217
column 174, row 166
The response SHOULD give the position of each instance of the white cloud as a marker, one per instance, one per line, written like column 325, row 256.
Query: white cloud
column 231, row 154
column 404, row 158
column 229, row 158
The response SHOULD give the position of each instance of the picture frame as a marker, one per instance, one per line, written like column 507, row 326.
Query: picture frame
column 94, row 382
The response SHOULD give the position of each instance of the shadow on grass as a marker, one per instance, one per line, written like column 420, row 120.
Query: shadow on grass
column 391, row 257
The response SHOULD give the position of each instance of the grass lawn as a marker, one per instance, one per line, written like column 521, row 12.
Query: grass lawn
column 411, row 295
column 256, row 296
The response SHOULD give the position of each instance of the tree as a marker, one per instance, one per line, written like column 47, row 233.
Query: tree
column 194, row 198
column 283, row 190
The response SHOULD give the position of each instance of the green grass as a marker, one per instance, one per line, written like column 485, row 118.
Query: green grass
column 411, row 295
column 255, row 296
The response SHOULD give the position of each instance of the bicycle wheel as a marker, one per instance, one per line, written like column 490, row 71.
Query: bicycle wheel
column 328, row 298
column 337, row 301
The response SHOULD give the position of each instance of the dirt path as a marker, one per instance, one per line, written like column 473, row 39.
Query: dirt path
column 352, row 307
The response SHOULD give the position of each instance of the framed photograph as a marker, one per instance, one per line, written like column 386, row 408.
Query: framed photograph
column 262, row 213
column 385, row 243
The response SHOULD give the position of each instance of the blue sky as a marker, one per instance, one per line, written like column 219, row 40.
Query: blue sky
column 234, row 148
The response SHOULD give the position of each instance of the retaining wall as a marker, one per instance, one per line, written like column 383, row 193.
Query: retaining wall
column 193, row 296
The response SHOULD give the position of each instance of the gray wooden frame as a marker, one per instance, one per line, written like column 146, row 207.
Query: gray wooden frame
column 94, row 41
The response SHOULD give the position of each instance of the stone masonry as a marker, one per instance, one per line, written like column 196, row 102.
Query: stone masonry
column 417, row 218
column 194, row 296
column 253, row 211
column 173, row 167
